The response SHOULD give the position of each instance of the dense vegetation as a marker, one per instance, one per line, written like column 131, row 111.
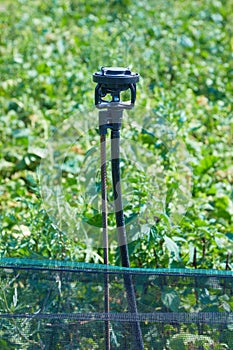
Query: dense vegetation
column 181, row 130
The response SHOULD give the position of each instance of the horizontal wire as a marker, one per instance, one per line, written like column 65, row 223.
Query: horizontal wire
column 157, row 317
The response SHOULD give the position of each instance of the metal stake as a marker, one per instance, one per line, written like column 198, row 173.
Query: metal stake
column 105, row 235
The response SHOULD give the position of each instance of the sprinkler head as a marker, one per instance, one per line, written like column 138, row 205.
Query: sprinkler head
column 114, row 80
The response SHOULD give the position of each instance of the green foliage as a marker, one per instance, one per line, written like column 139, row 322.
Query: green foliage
column 183, row 52
column 190, row 341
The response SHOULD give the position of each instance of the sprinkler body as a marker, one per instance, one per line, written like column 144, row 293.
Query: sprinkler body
column 114, row 80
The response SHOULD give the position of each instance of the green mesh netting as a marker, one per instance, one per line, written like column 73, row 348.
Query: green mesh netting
column 55, row 305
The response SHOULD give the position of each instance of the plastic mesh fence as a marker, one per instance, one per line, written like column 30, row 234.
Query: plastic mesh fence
column 58, row 305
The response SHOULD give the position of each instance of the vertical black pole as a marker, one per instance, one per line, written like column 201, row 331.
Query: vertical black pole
column 105, row 236
column 122, row 239
column 114, row 80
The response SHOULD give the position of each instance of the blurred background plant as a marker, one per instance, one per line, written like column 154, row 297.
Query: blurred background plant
column 183, row 52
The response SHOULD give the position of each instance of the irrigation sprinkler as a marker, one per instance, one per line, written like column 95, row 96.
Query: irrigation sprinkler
column 112, row 81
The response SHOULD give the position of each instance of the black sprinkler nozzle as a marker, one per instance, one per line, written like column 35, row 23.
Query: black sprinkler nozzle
column 114, row 80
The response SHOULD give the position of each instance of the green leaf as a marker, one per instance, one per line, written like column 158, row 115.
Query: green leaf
column 18, row 133
column 229, row 235
column 206, row 163
column 172, row 247
column 95, row 220
column 170, row 299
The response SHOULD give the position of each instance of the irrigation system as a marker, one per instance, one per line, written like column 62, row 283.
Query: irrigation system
column 113, row 81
